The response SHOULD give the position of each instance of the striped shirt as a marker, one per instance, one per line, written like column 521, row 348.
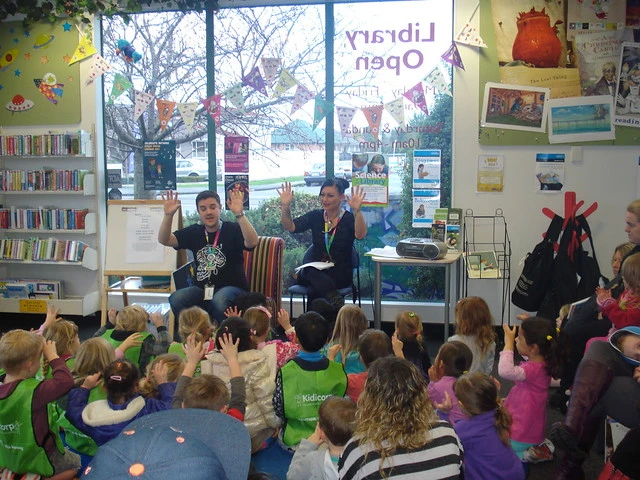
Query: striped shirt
column 441, row 457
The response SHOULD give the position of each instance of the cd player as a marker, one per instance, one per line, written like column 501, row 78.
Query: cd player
column 421, row 248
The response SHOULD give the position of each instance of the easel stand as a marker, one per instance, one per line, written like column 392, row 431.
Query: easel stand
column 121, row 215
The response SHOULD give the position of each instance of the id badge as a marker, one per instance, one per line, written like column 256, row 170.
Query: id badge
column 208, row 292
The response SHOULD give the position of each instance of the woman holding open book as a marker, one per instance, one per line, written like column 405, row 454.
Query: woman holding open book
column 333, row 230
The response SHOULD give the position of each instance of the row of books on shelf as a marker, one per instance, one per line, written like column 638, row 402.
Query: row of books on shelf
column 42, row 249
column 43, row 218
column 31, row 288
column 42, row 180
column 57, row 144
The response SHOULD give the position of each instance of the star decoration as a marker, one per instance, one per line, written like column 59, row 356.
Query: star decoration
column 1, row 86
column 27, row 34
column 66, row 59
column 27, row 56
column 17, row 72
column 44, row 59
column 66, row 26
column 12, row 30
column 16, row 41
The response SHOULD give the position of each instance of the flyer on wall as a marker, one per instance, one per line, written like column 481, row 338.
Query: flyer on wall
column 426, row 168
column 425, row 203
column 371, row 172
column 239, row 183
column 549, row 172
column 236, row 154
column 159, row 169
column 490, row 173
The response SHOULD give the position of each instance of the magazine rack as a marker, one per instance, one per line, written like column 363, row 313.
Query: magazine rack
column 487, row 254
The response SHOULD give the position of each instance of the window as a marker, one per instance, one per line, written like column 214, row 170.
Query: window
column 200, row 149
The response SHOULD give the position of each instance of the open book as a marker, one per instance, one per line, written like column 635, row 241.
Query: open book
column 317, row 265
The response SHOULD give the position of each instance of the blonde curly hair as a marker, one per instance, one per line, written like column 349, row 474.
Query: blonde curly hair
column 394, row 410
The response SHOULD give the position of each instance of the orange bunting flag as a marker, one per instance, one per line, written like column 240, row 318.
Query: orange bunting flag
column 373, row 115
column 165, row 110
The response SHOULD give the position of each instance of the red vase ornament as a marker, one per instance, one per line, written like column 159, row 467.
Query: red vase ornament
column 537, row 41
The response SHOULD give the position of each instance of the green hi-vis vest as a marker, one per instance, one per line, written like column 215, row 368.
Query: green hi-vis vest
column 73, row 437
column 177, row 349
column 303, row 391
column 69, row 362
column 19, row 451
column 132, row 354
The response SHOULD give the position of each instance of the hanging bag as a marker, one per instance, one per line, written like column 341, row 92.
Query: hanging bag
column 533, row 282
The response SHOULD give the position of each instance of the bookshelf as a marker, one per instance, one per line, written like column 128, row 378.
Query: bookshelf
column 49, row 223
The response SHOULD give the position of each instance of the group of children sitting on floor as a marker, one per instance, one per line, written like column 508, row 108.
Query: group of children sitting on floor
column 301, row 389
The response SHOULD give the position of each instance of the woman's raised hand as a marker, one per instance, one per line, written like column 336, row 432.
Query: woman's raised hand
column 171, row 203
column 356, row 198
column 286, row 194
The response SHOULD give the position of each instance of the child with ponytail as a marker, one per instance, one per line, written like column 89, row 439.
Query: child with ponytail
column 540, row 343
column 409, row 333
column 485, row 434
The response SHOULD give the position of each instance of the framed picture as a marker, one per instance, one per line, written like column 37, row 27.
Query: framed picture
column 514, row 107
column 581, row 119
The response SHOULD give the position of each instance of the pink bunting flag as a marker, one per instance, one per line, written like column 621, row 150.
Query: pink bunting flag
column 165, row 110
column 97, row 68
column 270, row 67
column 302, row 96
column 320, row 110
column 436, row 79
column 396, row 110
column 188, row 113
column 345, row 115
column 470, row 36
column 373, row 115
column 416, row 96
column 212, row 104
column 452, row 56
column 254, row 80
column 141, row 101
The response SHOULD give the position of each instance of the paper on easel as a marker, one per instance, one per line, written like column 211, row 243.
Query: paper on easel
column 317, row 265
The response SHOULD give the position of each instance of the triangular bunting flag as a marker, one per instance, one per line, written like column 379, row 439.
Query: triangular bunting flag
column 285, row 82
column 188, row 113
column 345, row 115
column 212, row 104
column 396, row 110
column 254, row 79
column 234, row 95
column 436, row 79
column 452, row 56
column 373, row 115
column 120, row 85
column 97, row 68
column 141, row 102
column 416, row 96
column 302, row 96
column 165, row 110
column 84, row 49
column 320, row 110
column 470, row 36
column 270, row 67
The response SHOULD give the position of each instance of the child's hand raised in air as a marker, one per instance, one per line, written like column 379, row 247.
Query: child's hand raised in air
column 111, row 315
column 332, row 352
column 52, row 316
column 160, row 372
column 193, row 350
column 228, row 347
column 157, row 320
column 602, row 294
column 396, row 345
column 232, row 312
column 509, row 336
column 284, row 320
column 435, row 373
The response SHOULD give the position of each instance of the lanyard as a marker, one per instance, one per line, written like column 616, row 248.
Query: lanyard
column 215, row 239
column 329, row 240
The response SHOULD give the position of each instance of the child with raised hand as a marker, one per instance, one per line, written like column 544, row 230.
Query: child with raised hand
column 194, row 321
column 485, row 434
column 103, row 420
column 278, row 352
column 474, row 328
column 453, row 360
column 24, row 407
column 175, row 365
column 65, row 335
column 208, row 391
column 317, row 456
column 413, row 347
column 539, row 342
column 260, row 418
column 351, row 322
column 133, row 319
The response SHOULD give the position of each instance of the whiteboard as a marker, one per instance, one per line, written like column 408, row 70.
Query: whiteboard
column 132, row 239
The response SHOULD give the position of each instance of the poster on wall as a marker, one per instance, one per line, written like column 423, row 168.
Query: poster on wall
column 628, row 94
column 36, row 82
column 236, row 154
column 514, row 107
column 595, row 16
column 425, row 203
column 160, row 165
column 549, row 172
column 238, row 183
column 426, row 168
column 490, row 177
column 581, row 119
column 371, row 172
